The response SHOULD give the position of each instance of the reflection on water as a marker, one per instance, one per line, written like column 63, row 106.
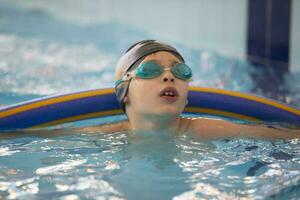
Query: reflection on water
column 128, row 166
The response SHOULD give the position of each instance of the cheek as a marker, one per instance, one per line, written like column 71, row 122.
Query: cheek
column 184, row 94
column 141, row 91
column 184, row 88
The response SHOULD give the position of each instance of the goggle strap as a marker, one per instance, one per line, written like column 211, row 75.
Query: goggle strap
column 118, row 82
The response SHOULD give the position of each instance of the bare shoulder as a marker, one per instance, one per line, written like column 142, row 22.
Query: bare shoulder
column 202, row 122
column 107, row 128
column 209, row 128
column 199, row 123
column 192, row 125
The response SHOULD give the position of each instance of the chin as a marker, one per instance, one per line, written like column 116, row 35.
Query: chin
column 169, row 110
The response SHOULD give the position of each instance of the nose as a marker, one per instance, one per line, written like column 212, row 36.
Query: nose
column 168, row 77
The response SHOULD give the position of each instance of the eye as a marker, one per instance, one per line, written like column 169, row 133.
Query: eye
column 182, row 71
column 149, row 70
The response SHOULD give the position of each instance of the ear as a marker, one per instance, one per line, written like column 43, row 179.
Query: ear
column 126, row 99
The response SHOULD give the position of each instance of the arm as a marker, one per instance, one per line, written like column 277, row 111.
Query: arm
column 103, row 128
column 214, row 129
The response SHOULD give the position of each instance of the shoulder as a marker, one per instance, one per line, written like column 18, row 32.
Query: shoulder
column 191, row 124
column 208, row 128
column 107, row 128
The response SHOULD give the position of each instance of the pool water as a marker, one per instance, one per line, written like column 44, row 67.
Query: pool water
column 42, row 54
column 126, row 166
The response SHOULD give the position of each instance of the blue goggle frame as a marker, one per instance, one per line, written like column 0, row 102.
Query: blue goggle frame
column 151, row 69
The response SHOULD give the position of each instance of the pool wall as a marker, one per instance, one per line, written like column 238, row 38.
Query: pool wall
column 221, row 26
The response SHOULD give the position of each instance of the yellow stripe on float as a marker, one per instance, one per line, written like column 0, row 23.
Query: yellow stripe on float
column 80, row 117
column 247, row 96
column 220, row 113
column 55, row 100
column 70, row 97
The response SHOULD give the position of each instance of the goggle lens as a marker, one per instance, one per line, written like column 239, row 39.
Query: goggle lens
column 150, row 70
column 182, row 71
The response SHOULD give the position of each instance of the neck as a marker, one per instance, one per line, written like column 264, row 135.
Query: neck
column 153, row 123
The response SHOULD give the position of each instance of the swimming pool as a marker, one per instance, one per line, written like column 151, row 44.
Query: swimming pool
column 42, row 55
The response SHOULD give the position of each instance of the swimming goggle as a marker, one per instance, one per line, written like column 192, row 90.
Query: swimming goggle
column 149, row 70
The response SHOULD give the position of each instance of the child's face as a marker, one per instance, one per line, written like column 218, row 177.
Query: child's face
column 145, row 95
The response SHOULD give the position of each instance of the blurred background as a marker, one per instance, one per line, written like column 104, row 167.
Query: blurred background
column 59, row 46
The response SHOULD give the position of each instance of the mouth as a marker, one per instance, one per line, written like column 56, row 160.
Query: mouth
column 169, row 93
